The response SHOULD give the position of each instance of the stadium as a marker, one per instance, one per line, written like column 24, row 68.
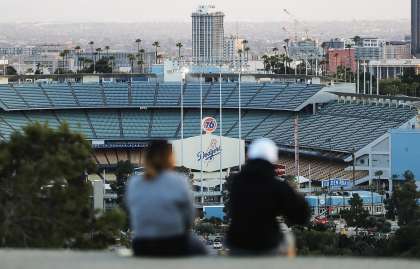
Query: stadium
column 334, row 124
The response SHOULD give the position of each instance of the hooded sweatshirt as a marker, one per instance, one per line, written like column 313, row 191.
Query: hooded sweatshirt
column 257, row 198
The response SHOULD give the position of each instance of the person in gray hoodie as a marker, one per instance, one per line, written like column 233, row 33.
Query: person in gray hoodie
column 161, row 207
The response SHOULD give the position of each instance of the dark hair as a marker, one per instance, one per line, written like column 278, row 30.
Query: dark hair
column 158, row 158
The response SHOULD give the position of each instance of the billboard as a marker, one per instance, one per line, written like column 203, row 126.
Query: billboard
column 405, row 152
column 336, row 183
column 210, row 153
column 209, row 125
column 214, row 211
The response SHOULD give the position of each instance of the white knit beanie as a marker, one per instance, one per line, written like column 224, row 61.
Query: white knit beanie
column 264, row 149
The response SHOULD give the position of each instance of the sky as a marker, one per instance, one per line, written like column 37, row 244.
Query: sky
column 180, row 10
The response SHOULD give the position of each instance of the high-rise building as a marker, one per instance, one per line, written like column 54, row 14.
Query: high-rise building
column 231, row 56
column 415, row 28
column 207, row 35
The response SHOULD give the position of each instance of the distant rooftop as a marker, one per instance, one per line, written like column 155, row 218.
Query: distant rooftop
column 207, row 10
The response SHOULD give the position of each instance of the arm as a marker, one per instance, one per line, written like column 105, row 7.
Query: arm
column 188, row 203
column 292, row 205
column 127, row 193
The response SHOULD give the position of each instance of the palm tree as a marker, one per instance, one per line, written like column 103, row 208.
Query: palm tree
column 81, row 62
column 286, row 48
column 179, row 45
column 247, row 49
column 283, row 59
column 112, row 59
column 38, row 67
column 77, row 49
column 348, row 47
column 357, row 39
column 88, row 62
column 265, row 59
column 323, row 64
column 142, row 51
column 107, row 51
column 159, row 58
column 287, row 41
column 66, row 52
column 140, row 63
column 245, row 45
column 62, row 55
column 156, row 45
column 275, row 50
column 91, row 43
column 99, row 50
column 240, row 51
column 131, row 58
column 336, row 64
column 138, row 41
column 378, row 174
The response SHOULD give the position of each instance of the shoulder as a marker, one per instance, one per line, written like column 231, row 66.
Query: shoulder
column 281, row 185
column 134, row 181
column 175, row 177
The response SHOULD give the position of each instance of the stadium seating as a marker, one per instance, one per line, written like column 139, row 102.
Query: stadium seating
column 142, row 94
column 275, row 96
column 319, row 169
column 89, row 96
column 10, row 99
column 135, row 123
column 61, row 96
column 165, row 124
column 106, row 125
column 141, row 111
column 33, row 98
column 77, row 121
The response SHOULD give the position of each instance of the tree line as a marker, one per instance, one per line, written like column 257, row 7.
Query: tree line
column 45, row 196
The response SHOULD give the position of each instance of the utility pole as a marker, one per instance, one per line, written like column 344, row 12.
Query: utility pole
column 296, row 125
column 364, row 77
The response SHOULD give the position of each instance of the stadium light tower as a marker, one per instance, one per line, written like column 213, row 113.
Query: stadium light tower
column 201, row 134
column 184, row 72
column 221, row 126
column 239, row 118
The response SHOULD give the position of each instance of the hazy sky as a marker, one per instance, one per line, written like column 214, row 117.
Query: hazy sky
column 179, row 10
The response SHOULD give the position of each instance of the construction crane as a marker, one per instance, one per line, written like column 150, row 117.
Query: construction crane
column 296, row 23
column 289, row 35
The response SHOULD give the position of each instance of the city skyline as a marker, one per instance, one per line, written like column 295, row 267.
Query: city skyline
column 265, row 10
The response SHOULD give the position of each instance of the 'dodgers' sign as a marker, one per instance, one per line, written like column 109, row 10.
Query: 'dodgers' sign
column 210, row 152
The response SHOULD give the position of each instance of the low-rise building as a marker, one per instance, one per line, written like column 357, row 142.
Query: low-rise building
column 333, row 204
column 396, row 50
column 369, row 49
column 307, row 49
column 341, row 57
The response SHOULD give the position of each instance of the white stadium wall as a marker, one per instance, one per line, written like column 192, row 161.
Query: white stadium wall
column 210, row 153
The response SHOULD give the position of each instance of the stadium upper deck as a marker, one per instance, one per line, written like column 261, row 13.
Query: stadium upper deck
column 140, row 112
column 153, row 95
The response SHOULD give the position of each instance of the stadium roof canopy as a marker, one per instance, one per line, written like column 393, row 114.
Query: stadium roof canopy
column 264, row 96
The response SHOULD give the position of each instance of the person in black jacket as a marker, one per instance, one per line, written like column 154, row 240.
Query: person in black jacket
column 257, row 198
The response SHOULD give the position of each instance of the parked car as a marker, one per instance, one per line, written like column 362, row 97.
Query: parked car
column 217, row 245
